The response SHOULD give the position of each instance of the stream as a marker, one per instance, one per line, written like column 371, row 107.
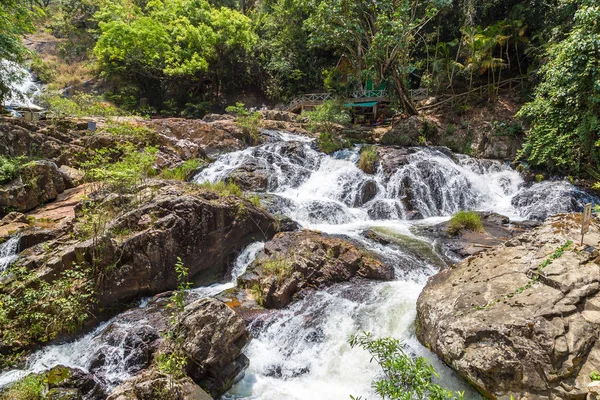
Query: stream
column 302, row 352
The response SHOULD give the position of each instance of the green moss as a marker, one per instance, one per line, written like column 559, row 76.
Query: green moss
column 280, row 267
column 421, row 248
column 29, row 388
column 368, row 159
column 465, row 221
column 9, row 169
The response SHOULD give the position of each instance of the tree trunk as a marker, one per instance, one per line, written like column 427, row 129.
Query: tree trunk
column 404, row 95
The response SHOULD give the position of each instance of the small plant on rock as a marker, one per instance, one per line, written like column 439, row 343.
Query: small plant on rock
column 247, row 121
column 368, row 159
column 465, row 221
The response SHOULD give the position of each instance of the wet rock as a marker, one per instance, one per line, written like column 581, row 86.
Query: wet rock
column 62, row 383
column 366, row 192
column 511, row 336
column 203, row 228
column 154, row 385
column 294, row 261
column 38, row 182
column 214, row 338
column 551, row 197
column 497, row 230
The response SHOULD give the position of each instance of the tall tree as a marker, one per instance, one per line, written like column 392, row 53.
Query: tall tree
column 565, row 113
column 378, row 36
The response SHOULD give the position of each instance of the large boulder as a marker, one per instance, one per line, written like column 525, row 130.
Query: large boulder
column 154, row 385
column 522, row 319
column 171, row 220
column 37, row 183
column 294, row 261
column 214, row 338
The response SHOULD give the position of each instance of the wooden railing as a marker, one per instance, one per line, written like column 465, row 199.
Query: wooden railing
column 318, row 98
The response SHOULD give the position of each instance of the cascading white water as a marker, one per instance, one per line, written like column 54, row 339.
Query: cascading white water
column 114, row 341
column 8, row 252
column 24, row 91
column 302, row 352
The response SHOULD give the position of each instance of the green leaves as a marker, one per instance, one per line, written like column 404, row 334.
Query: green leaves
column 405, row 377
column 564, row 113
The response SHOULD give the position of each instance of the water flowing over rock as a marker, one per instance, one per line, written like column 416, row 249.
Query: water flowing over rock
column 294, row 261
column 547, row 198
column 8, row 252
column 511, row 335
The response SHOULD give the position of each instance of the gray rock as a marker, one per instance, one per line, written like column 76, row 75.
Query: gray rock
column 509, row 339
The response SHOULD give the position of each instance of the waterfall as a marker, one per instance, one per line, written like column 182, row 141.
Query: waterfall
column 302, row 352
column 8, row 252
column 115, row 350
column 24, row 90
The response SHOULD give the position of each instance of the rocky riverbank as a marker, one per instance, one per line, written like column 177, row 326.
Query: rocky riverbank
column 521, row 319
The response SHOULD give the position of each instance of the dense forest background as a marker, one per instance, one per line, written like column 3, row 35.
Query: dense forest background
column 189, row 57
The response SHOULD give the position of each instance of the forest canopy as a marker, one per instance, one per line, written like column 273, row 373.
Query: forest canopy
column 187, row 57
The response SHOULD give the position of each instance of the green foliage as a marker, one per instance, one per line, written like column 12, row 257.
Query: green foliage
column 247, row 121
column 184, row 171
column 328, row 114
column 120, row 168
column 29, row 388
column 9, row 169
column 377, row 37
column 223, row 188
column 34, row 310
column 368, row 159
column 172, row 364
column 465, row 220
column 159, row 42
column 78, row 105
column 278, row 267
column 129, row 130
column 404, row 378
column 539, row 178
column 15, row 20
column 330, row 143
column 595, row 376
column 565, row 126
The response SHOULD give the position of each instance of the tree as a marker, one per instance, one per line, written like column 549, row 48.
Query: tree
column 168, row 41
column 378, row 37
column 564, row 115
column 15, row 20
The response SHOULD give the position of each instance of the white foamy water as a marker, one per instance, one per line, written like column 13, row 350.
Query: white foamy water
column 8, row 252
column 112, row 338
column 302, row 352
column 24, row 91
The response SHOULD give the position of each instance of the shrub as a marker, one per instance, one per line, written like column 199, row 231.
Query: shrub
column 403, row 377
column 184, row 171
column 368, row 159
column 78, row 105
column 539, row 178
column 9, row 169
column 329, row 143
column 38, row 311
column 129, row 130
column 247, row 121
column 465, row 220
column 223, row 188
column 325, row 116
